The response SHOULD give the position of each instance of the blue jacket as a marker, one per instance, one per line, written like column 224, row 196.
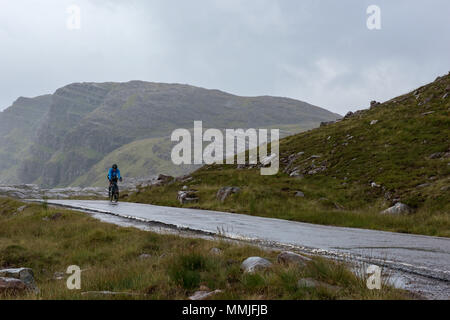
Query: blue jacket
column 113, row 173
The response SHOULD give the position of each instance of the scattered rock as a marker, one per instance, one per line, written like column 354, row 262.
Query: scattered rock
column 145, row 256
column 288, row 257
column 254, row 264
column 299, row 194
column 59, row 276
column 349, row 115
column 12, row 286
column 185, row 197
column 327, row 123
column 204, row 295
column 296, row 174
column 374, row 104
column 225, row 192
column 53, row 217
column 427, row 113
column 215, row 251
column 317, row 170
column 312, row 283
column 436, row 155
column 268, row 160
column 375, row 185
column 373, row 122
column 163, row 177
column 108, row 293
column 21, row 209
column 399, row 208
column 163, row 180
column 185, row 188
column 423, row 185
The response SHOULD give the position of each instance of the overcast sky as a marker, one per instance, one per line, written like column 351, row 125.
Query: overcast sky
column 318, row 51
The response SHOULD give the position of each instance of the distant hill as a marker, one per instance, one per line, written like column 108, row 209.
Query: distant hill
column 345, row 173
column 73, row 135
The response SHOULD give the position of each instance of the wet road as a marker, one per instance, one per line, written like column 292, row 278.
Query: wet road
column 422, row 256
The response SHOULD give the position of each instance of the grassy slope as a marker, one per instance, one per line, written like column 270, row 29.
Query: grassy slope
column 178, row 266
column 140, row 158
column 394, row 153
column 150, row 157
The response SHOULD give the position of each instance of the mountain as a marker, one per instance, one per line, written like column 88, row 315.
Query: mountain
column 65, row 137
column 18, row 126
column 347, row 172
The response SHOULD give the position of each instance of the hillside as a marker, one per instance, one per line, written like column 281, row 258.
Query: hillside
column 346, row 172
column 82, row 123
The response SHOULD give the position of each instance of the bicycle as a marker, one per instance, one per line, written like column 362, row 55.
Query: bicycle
column 113, row 191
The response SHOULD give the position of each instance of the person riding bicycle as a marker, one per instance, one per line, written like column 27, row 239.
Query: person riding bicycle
column 113, row 176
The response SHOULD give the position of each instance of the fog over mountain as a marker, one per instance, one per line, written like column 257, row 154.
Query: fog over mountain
column 315, row 51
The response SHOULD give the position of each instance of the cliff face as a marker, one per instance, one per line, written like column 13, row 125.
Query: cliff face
column 18, row 126
column 62, row 136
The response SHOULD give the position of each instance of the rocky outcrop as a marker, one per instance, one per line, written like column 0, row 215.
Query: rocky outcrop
column 374, row 104
column 254, row 264
column 25, row 275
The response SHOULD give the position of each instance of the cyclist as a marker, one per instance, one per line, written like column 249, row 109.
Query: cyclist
column 113, row 176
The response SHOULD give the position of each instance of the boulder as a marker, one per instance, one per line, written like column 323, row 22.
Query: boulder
column 204, row 295
column 26, row 275
column 145, row 256
column 187, row 197
column 254, row 264
column 373, row 122
column 288, row 257
column 12, row 286
column 399, row 208
column 225, row 192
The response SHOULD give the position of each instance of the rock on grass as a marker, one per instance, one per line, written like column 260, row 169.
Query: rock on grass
column 254, row 264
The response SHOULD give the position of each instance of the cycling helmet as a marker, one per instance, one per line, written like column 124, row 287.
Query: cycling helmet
column 114, row 166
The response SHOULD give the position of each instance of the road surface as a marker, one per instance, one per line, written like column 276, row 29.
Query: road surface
column 423, row 261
